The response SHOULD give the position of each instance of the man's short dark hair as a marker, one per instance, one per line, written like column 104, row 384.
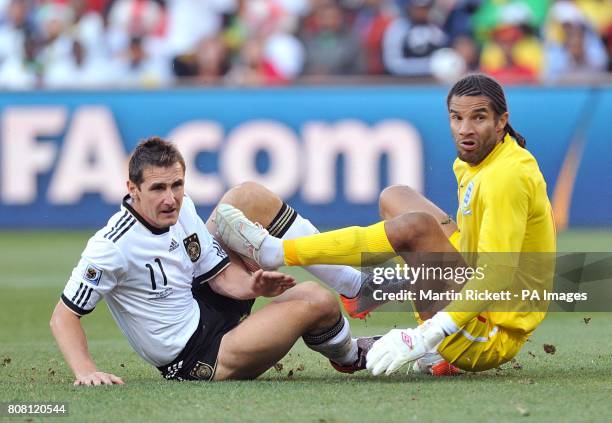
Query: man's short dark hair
column 153, row 151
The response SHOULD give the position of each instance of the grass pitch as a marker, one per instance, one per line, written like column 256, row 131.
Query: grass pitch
column 574, row 384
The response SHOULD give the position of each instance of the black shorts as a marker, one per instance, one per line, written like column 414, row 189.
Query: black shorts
column 218, row 315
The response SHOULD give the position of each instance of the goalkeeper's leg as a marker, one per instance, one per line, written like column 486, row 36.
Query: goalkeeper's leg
column 399, row 199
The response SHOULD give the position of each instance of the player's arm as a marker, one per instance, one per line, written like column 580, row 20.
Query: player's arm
column 235, row 282
column 93, row 277
column 70, row 337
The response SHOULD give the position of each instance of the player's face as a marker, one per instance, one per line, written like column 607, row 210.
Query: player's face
column 475, row 127
column 160, row 196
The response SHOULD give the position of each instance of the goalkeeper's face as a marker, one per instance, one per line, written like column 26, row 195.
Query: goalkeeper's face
column 475, row 126
column 159, row 197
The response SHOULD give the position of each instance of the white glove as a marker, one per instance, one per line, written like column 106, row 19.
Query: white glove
column 399, row 347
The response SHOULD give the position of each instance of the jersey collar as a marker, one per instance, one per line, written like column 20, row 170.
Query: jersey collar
column 497, row 151
column 153, row 229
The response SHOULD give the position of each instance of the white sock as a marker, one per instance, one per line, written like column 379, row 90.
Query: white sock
column 344, row 280
column 271, row 254
column 340, row 348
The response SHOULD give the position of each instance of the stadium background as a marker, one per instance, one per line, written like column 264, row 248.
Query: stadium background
column 326, row 102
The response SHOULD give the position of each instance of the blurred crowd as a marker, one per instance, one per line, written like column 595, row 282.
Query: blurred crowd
column 160, row 43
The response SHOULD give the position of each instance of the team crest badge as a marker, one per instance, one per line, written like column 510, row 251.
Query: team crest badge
column 468, row 194
column 202, row 371
column 92, row 274
column 192, row 245
column 467, row 197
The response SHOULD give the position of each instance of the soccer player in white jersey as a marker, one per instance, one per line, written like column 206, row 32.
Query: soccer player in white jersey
column 182, row 302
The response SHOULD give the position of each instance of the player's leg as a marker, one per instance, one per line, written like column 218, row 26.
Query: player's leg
column 412, row 223
column 255, row 201
column 414, row 232
column 263, row 206
column 399, row 199
column 408, row 225
column 417, row 232
column 262, row 339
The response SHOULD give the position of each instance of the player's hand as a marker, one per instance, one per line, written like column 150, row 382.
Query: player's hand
column 392, row 351
column 270, row 284
column 401, row 346
column 98, row 378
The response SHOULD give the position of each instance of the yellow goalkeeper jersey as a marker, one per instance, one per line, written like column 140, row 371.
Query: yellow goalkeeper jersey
column 504, row 208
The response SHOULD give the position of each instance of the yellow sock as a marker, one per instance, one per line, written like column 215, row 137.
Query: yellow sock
column 343, row 246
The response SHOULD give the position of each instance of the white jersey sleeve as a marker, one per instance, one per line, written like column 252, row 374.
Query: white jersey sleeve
column 96, row 274
column 208, row 257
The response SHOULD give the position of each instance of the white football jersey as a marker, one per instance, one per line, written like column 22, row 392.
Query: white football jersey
column 145, row 274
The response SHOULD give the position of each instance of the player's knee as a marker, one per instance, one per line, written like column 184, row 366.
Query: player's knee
column 256, row 201
column 417, row 224
column 408, row 228
column 322, row 304
column 252, row 187
column 245, row 194
column 388, row 199
column 385, row 200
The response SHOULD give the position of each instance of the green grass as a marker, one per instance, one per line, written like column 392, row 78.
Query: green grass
column 574, row 384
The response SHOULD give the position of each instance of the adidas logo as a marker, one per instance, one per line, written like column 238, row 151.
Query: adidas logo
column 173, row 245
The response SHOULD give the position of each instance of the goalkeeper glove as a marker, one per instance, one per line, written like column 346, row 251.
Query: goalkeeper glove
column 401, row 346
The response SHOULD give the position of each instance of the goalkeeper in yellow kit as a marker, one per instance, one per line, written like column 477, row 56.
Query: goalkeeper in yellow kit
column 503, row 208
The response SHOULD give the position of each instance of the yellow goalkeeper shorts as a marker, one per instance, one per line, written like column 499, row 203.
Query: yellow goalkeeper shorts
column 480, row 346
